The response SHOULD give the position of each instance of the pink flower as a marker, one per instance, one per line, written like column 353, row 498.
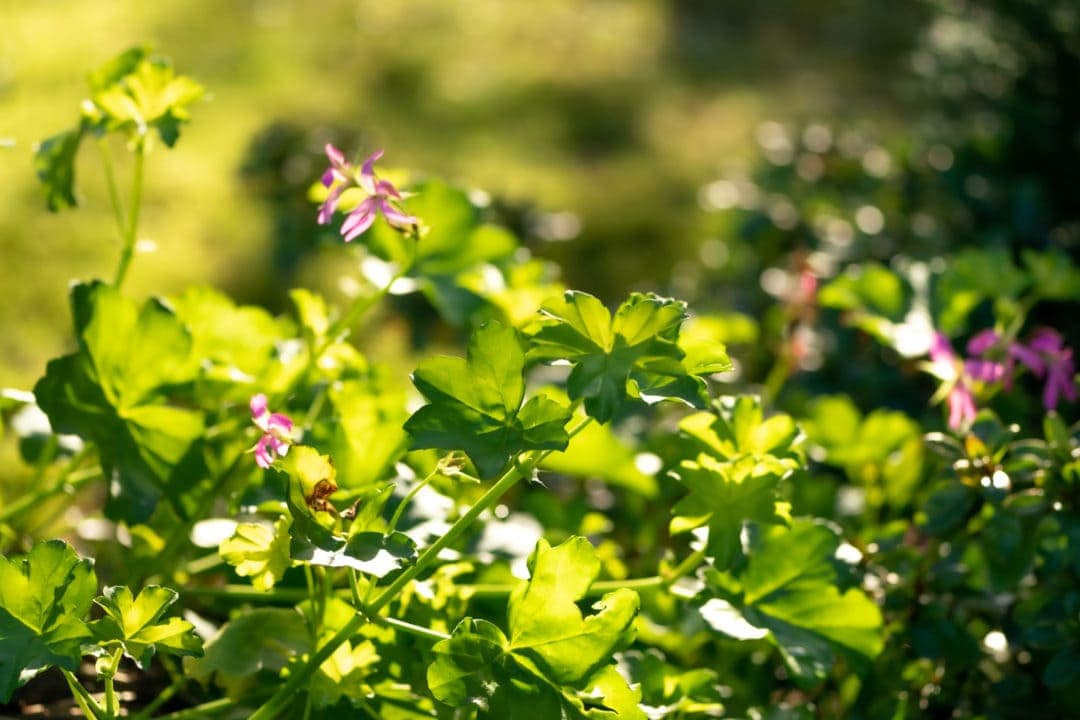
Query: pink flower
column 945, row 364
column 277, row 432
column 381, row 195
column 981, row 368
column 1046, row 354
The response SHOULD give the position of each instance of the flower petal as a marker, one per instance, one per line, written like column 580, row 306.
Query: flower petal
column 395, row 217
column 263, row 454
column 1046, row 340
column 984, row 370
column 1028, row 357
column 982, row 341
column 359, row 220
column 335, row 156
column 367, row 173
column 280, row 422
column 258, row 405
column 326, row 210
column 385, row 188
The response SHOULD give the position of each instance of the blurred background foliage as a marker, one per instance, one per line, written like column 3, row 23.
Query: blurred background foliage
column 591, row 122
column 745, row 157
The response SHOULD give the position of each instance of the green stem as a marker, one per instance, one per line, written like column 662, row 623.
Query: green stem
column 400, row 509
column 82, row 696
column 284, row 694
column 163, row 697
column 112, row 707
column 495, row 590
column 110, row 183
column 132, row 229
column 200, row 712
column 691, row 563
column 203, row 564
column 70, row 479
column 412, row 629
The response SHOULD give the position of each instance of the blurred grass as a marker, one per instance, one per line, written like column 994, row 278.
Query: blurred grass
column 615, row 111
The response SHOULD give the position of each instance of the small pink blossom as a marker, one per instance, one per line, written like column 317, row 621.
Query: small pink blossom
column 945, row 363
column 277, row 432
column 1046, row 355
column 382, row 196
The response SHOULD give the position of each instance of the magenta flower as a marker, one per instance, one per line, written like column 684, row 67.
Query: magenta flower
column 1046, row 355
column 381, row 196
column 277, row 432
column 946, row 365
column 984, row 369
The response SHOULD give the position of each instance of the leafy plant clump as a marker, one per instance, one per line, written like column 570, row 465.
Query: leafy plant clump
column 584, row 515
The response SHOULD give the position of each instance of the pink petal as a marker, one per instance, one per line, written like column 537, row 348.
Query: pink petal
column 385, row 188
column 258, row 404
column 984, row 370
column 263, row 454
column 281, row 422
column 327, row 178
column 279, row 446
column 982, row 341
column 961, row 407
column 395, row 217
column 1046, row 340
column 1028, row 357
column 335, row 156
column 940, row 349
column 359, row 220
column 367, row 173
column 326, row 210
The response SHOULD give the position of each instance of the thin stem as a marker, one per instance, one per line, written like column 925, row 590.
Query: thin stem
column 692, row 561
column 203, row 564
column 82, row 696
column 68, row 478
column 400, row 509
column 246, row 592
column 163, row 697
column 199, row 712
column 284, row 694
column 110, row 183
column 412, row 629
column 132, row 229
column 495, row 590
column 112, row 707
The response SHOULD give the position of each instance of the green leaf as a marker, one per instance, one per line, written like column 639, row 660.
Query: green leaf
column 475, row 404
column 367, row 435
column 788, row 588
column 633, row 355
column 739, row 427
column 724, row 495
column 45, row 596
column 556, row 662
column 136, row 624
column 545, row 620
column 235, row 345
column 971, row 277
column 135, row 92
column 114, row 391
column 54, row 162
column 259, row 639
column 313, row 536
column 259, row 552
column 1053, row 274
column 869, row 287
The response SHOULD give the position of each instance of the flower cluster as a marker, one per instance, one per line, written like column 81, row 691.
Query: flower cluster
column 277, row 432
column 992, row 359
column 381, row 198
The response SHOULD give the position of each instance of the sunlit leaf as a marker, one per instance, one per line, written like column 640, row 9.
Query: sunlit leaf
column 45, row 596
